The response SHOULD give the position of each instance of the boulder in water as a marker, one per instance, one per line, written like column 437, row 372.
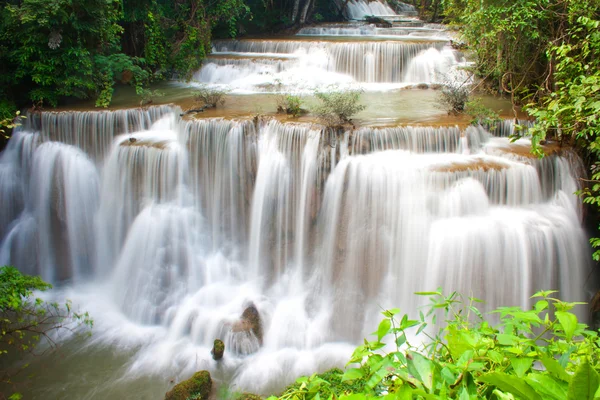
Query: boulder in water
column 250, row 322
column 218, row 350
column 197, row 387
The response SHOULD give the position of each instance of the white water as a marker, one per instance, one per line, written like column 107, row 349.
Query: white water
column 360, row 9
column 314, row 64
column 353, row 53
column 167, row 239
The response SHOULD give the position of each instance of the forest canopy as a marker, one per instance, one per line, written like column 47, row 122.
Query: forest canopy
column 52, row 49
column 56, row 49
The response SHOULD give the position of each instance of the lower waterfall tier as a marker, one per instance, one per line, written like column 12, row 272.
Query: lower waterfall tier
column 168, row 231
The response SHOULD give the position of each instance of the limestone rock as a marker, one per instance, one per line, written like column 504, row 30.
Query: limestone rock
column 250, row 322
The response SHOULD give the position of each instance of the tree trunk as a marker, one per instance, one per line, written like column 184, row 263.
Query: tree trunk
column 295, row 11
column 436, row 6
column 306, row 11
column 343, row 7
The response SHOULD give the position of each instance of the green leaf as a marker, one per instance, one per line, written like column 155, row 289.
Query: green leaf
column 548, row 386
column 510, row 384
column 421, row 368
column 584, row 384
column 503, row 396
column 404, row 393
column 554, row 368
column 568, row 321
column 354, row 396
column 464, row 394
column 383, row 329
column 507, row 339
column 521, row 365
column 353, row 373
column 391, row 312
column 380, row 373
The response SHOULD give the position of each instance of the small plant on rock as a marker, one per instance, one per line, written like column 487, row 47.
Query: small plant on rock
column 210, row 97
column 147, row 96
column 453, row 98
column 337, row 106
column 480, row 114
column 290, row 104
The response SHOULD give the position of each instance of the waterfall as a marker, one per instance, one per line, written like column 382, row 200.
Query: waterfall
column 141, row 169
column 92, row 131
column 360, row 9
column 169, row 232
column 53, row 236
column 388, row 61
column 223, row 157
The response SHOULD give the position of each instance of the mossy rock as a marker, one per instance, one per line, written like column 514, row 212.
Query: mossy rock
column 198, row 387
column 248, row 396
column 218, row 350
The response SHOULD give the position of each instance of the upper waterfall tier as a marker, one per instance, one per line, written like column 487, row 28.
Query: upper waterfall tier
column 304, row 64
column 416, row 31
column 93, row 131
column 359, row 9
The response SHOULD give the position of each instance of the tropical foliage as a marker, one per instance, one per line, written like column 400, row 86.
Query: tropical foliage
column 541, row 353
column 336, row 106
column 25, row 320
column 50, row 50
column 544, row 55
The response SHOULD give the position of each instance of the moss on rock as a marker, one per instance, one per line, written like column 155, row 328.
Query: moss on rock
column 248, row 396
column 198, row 387
column 218, row 349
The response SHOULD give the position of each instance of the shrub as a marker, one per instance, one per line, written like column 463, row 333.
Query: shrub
column 147, row 96
column 481, row 114
column 210, row 97
column 25, row 320
column 541, row 353
column 289, row 104
column 7, row 124
column 337, row 106
column 453, row 98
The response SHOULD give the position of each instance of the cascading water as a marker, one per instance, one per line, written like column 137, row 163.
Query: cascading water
column 184, row 225
column 378, row 58
column 359, row 9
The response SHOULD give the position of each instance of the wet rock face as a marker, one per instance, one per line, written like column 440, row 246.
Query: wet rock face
column 250, row 322
column 197, row 387
column 218, row 350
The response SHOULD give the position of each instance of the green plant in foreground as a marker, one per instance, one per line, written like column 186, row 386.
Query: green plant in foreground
column 10, row 123
column 25, row 320
column 542, row 353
